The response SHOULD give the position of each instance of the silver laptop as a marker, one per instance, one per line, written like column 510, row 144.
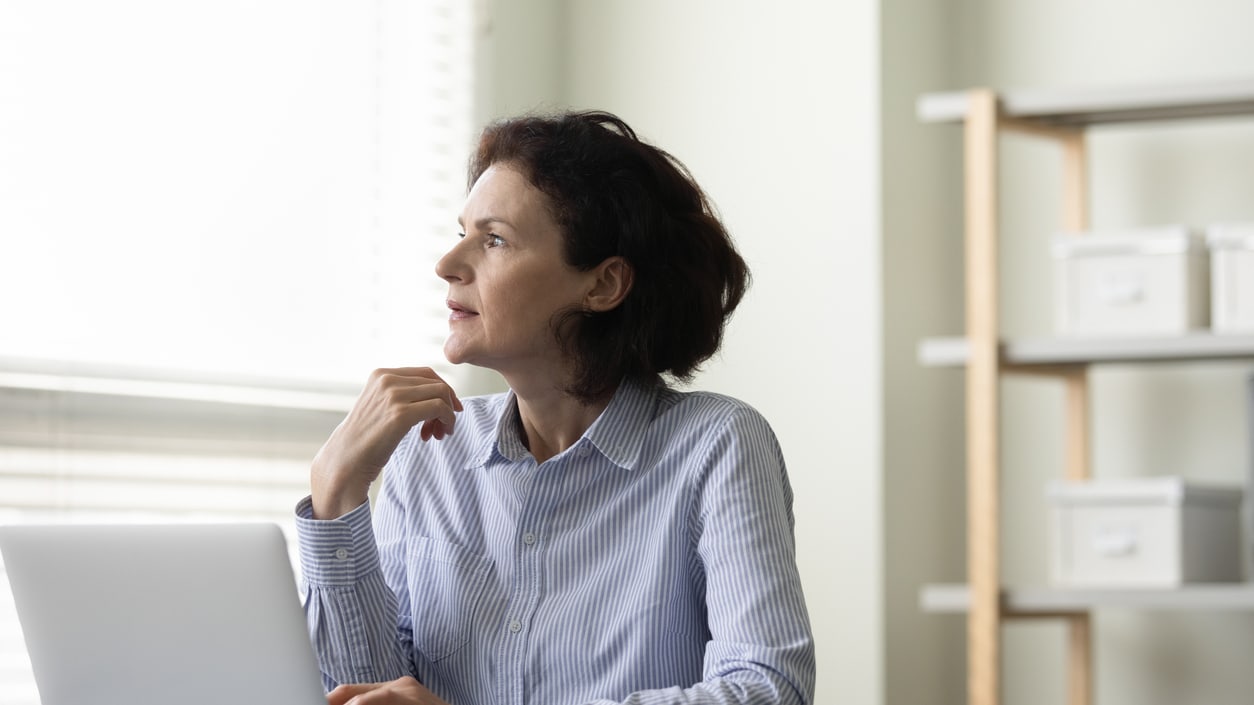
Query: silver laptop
column 158, row 614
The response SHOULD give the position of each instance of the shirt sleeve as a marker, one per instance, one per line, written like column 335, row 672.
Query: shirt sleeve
column 350, row 610
column 761, row 649
column 761, row 640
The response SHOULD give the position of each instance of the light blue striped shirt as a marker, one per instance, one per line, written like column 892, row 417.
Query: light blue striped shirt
column 651, row 562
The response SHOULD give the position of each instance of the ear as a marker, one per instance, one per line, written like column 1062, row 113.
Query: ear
column 611, row 283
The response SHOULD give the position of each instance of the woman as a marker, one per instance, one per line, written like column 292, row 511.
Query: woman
column 590, row 536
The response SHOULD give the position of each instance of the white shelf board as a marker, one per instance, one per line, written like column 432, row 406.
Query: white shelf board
column 1045, row 600
column 954, row 352
column 1099, row 105
column 123, row 381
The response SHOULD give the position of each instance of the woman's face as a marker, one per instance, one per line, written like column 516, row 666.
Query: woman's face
column 507, row 278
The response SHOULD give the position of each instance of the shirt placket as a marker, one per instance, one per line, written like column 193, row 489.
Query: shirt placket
column 530, row 540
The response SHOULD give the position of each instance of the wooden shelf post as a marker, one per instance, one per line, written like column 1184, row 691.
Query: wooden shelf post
column 1078, row 452
column 982, row 388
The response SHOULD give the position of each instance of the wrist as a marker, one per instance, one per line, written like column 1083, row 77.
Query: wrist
column 332, row 497
column 334, row 507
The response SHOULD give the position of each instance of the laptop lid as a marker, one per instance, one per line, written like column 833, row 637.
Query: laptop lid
column 158, row 614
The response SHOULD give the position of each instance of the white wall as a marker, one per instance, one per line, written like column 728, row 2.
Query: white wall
column 521, row 52
column 1186, row 419
column 924, row 485
column 774, row 108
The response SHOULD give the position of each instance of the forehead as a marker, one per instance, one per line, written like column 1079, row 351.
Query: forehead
column 502, row 192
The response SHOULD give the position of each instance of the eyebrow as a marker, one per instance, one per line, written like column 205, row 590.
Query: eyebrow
column 483, row 223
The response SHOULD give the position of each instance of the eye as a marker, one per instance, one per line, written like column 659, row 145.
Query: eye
column 461, row 236
column 494, row 240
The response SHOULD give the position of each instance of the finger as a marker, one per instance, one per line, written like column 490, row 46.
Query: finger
column 418, row 388
column 428, row 373
column 405, row 690
column 431, row 410
column 411, row 373
column 409, row 400
column 406, row 389
column 434, row 429
column 344, row 693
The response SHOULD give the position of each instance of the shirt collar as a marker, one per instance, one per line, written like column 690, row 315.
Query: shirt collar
column 618, row 433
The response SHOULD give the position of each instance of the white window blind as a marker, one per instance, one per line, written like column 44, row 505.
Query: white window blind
column 215, row 220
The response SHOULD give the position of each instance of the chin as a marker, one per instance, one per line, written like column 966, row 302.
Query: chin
column 453, row 353
column 460, row 356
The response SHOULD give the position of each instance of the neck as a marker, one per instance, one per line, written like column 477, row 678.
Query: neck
column 553, row 420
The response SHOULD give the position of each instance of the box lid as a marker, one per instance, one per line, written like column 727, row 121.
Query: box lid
column 1230, row 236
column 1165, row 240
column 1169, row 490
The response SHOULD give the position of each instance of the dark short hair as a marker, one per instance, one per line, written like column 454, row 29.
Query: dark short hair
column 614, row 195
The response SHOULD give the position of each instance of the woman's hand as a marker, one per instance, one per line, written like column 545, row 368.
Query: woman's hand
column 403, row 691
column 394, row 401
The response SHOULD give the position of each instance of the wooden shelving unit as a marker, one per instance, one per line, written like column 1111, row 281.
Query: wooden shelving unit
column 1061, row 117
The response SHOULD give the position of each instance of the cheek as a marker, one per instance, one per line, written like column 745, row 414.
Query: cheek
column 525, row 314
column 508, row 308
column 522, row 301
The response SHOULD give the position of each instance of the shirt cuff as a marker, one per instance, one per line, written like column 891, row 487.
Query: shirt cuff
column 335, row 552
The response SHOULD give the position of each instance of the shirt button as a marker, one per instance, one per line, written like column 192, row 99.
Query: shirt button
column 529, row 538
column 341, row 553
column 515, row 626
column 584, row 451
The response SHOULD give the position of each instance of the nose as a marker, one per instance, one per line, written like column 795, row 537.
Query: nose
column 452, row 267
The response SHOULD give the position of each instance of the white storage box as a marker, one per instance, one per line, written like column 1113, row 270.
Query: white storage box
column 1158, row 532
column 1232, row 277
column 1139, row 282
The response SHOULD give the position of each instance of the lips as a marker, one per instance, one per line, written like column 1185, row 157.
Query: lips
column 458, row 312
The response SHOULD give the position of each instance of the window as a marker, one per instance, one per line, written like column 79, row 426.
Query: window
column 215, row 219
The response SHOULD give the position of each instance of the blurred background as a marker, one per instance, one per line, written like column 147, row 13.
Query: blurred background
column 217, row 217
